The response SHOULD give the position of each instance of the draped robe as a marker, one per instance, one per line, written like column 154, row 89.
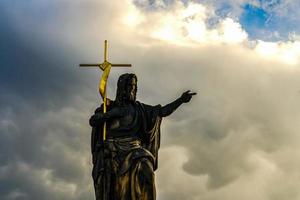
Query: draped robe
column 124, row 164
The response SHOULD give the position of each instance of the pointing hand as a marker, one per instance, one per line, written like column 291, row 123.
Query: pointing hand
column 187, row 96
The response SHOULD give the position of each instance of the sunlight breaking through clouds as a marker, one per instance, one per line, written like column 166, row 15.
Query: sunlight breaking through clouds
column 186, row 25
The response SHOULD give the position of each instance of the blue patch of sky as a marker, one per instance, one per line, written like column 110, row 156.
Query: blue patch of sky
column 269, row 4
column 223, row 11
column 263, row 22
column 254, row 17
column 260, row 21
column 256, row 22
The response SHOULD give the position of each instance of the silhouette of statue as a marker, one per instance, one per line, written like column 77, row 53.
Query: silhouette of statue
column 124, row 164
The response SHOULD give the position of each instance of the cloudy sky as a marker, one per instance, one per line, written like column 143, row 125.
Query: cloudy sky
column 237, row 139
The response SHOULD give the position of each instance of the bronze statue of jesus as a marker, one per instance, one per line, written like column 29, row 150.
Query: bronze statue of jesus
column 124, row 164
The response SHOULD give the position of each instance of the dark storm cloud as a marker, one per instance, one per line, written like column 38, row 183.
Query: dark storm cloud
column 44, row 153
column 34, row 68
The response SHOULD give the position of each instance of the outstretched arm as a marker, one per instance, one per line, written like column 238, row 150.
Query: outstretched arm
column 171, row 107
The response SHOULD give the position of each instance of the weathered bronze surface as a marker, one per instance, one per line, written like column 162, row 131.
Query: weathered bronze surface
column 124, row 162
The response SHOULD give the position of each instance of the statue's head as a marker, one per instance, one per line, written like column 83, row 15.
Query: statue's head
column 126, row 89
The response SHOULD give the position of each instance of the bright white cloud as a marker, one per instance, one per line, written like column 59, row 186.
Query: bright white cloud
column 287, row 52
column 187, row 25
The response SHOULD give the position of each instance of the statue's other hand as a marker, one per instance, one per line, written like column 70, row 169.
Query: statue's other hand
column 187, row 96
column 95, row 119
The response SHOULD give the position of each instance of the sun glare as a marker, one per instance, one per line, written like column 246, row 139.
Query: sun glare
column 133, row 17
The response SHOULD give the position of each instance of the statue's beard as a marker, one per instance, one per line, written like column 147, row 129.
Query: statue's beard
column 132, row 96
column 129, row 96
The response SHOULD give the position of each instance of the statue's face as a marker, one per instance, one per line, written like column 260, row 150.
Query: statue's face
column 132, row 88
column 127, row 88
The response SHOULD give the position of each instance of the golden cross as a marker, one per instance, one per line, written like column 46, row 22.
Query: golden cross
column 105, row 66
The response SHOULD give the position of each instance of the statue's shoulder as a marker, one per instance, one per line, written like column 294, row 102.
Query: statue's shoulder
column 141, row 105
column 148, row 106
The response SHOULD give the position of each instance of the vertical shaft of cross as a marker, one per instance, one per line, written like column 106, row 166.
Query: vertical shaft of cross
column 105, row 50
column 106, row 70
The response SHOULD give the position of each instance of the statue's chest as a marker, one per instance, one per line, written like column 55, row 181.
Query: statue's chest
column 125, row 121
